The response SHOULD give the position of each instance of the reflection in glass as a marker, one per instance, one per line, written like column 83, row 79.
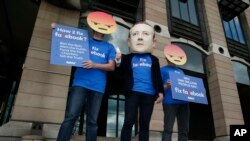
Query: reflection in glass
column 111, row 124
column 121, row 107
column 184, row 10
column 241, row 73
column 194, row 58
column 175, row 11
column 227, row 29
column 192, row 11
column 119, row 38
column 239, row 31
column 120, row 122
column 116, row 113
column 112, row 106
column 233, row 30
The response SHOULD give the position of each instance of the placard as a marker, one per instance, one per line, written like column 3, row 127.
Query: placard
column 187, row 88
column 69, row 46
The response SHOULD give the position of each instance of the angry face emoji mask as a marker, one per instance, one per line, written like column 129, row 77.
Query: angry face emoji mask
column 101, row 22
column 175, row 54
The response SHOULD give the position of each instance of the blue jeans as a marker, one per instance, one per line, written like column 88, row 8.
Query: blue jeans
column 181, row 111
column 76, row 100
column 145, row 103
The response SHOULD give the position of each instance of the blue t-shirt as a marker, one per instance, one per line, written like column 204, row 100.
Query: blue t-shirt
column 95, row 79
column 141, row 66
column 168, row 93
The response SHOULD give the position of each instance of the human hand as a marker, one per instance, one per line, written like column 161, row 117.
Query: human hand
column 118, row 56
column 53, row 25
column 167, row 84
column 159, row 98
column 88, row 64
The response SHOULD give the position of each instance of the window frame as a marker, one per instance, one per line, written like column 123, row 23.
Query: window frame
column 180, row 28
column 237, row 48
column 236, row 28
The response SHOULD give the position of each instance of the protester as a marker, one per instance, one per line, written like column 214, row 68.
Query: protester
column 89, row 81
column 174, row 108
column 143, row 83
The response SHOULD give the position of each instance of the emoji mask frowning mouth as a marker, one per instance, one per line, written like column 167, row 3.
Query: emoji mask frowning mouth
column 175, row 54
column 101, row 22
column 102, row 28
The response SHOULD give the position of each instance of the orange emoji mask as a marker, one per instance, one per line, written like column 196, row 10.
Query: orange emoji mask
column 175, row 54
column 101, row 22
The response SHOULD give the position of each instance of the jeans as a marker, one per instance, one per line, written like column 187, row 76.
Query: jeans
column 145, row 103
column 76, row 100
column 182, row 112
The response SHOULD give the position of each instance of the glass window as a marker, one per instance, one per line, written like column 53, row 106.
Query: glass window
column 239, row 31
column 184, row 10
column 233, row 30
column 175, row 11
column 115, row 118
column 194, row 58
column 227, row 29
column 241, row 73
column 192, row 11
column 119, row 38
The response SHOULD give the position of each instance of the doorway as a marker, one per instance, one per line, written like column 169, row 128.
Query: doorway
column 244, row 96
column 201, row 116
column 16, row 27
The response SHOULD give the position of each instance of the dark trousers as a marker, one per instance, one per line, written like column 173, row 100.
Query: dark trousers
column 76, row 100
column 182, row 113
column 145, row 103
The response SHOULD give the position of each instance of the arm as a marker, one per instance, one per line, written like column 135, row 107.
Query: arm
column 118, row 58
column 120, row 69
column 160, row 84
column 159, row 77
column 164, row 75
column 159, row 98
column 110, row 66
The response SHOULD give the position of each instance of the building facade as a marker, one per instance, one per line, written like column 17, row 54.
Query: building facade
column 215, row 35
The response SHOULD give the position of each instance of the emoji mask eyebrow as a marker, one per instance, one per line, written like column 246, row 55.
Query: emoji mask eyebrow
column 170, row 55
column 109, row 26
column 95, row 22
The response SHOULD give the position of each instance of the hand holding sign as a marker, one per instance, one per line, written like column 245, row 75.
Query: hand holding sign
column 187, row 88
column 88, row 64
column 167, row 85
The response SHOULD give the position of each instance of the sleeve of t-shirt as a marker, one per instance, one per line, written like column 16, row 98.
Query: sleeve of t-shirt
column 112, row 52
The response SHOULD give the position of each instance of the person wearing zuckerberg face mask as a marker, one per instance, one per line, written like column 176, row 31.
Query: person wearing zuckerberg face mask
column 142, row 80
column 141, row 39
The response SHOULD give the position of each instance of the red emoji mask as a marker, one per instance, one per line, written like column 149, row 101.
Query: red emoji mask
column 101, row 22
column 175, row 54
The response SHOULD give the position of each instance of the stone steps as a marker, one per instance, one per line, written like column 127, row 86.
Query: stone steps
column 81, row 138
